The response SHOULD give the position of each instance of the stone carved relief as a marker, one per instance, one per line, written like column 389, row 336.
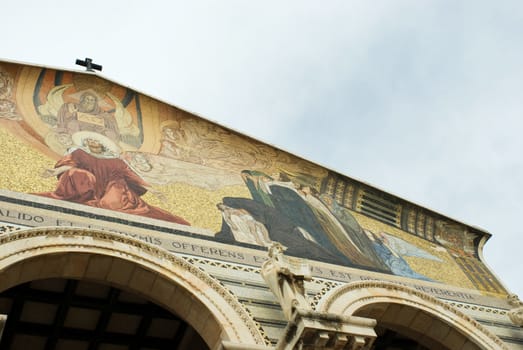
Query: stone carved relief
column 285, row 277
column 515, row 314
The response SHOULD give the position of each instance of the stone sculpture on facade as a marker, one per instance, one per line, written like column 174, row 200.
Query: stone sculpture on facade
column 515, row 314
column 308, row 329
column 285, row 278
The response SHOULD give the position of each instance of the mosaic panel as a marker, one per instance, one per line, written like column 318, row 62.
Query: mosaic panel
column 78, row 138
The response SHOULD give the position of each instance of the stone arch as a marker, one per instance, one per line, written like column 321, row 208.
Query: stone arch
column 133, row 265
column 414, row 313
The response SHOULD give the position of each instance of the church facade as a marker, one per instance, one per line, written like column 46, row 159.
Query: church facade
column 129, row 223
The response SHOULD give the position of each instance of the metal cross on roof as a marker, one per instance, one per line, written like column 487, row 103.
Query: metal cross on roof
column 89, row 65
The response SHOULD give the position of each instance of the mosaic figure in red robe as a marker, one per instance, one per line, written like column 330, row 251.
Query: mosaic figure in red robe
column 94, row 175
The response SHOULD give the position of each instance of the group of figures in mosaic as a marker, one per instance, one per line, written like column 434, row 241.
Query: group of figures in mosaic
column 98, row 140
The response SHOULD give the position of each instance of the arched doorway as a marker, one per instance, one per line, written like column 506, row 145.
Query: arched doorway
column 409, row 319
column 56, row 314
column 132, row 266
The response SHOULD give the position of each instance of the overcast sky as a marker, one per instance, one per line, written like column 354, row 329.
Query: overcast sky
column 420, row 98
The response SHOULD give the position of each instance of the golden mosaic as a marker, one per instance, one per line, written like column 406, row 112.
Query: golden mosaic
column 78, row 138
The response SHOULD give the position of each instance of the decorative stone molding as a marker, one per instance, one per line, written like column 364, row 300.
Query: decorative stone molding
column 327, row 287
column 478, row 308
column 221, row 264
column 348, row 299
column 311, row 330
column 229, row 266
column 515, row 314
column 171, row 272
column 6, row 228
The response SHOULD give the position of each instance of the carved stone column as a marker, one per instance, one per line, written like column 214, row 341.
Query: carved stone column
column 312, row 330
